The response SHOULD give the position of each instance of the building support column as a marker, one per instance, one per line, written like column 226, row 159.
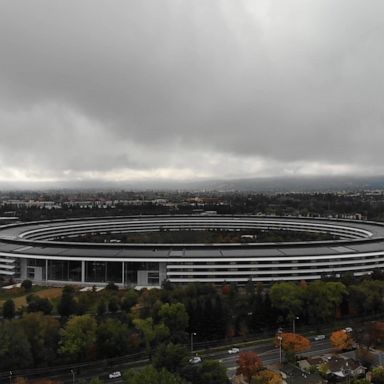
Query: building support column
column 83, row 271
column 46, row 269
column 23, row 268
column 162, row 272
column 122, row 274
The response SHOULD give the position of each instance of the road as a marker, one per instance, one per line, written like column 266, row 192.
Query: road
column 268, row 354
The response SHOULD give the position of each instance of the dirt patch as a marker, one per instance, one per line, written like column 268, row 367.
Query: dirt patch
column 49, row 293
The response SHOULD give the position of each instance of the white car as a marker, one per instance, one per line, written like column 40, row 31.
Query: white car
column 348, row 329
column 319, row 337
column 233, row 350
column 195, row 360
column 114, row 375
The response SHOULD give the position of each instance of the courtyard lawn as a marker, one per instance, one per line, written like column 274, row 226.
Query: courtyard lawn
column 19, row 296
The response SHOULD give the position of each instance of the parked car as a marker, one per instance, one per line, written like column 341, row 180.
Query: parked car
column 114, row 375
column 319, row 337
column 233, row 350
column 195, row 360
column 348, row 329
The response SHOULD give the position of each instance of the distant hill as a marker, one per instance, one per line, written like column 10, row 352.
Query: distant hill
column 265, row 185
column 295, row 184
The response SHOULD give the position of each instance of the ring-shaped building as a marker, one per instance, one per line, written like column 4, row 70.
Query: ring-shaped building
column 31, row 250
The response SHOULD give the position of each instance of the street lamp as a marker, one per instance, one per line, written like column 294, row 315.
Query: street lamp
column 73, row 376
column 280, row 353
column 192, row 334
column 10, row 377
column 294, row 323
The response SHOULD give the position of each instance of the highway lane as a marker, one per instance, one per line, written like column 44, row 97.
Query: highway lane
column 265, row 350
column 268, row 353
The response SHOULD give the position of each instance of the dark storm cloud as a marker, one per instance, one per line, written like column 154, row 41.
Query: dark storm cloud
column 148, row 88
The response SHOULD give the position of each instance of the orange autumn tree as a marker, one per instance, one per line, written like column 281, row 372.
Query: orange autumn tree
column 341, row 340
column 377, row 331
column 20, row 380
column 270, row 377
column 294, row 342
column 249, row 365
column 42, row 380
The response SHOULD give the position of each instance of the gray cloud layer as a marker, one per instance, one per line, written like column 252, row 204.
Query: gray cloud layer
column 182, row 89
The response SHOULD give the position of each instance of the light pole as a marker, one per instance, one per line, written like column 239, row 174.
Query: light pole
column 192, row 334
column 294, row 323
column 10, row 377
column 73, row 376
column 280, row 353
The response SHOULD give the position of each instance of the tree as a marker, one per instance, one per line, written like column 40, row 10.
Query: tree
column 172, row 357
column 367, row 296
column 294, row 342
column 175, row 317
column 226, row 289
column 39, row 304
column 149, row 375
column 67, row 305
column 129, row 300
column 378, row 375
column 322, row 299
column 376, row 333
column 148, row 305
column 9, row 309
column 15, row 349
column 111, row 286
column 42, row 333
column 250, row 290
column 233, row 293
column 27, row 285
column 112, row 339
column 152, row 333
column 249, row 364
column 78, row 337
column 360, row 381
column 287, row 297
column 113, row 304
column 341, row 340
column 24, row 380
column 265, row 376
column 210, row 317
column 259, row 315
column 212, row 372
column 96, row 380
column 365, row 356
column 101, row 308
column 209, row 371
column 377, row 274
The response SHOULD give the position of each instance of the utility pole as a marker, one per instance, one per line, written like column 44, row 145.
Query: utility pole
column 280, row 352
column 294, row 323
column 192, row 334
column 73, row 376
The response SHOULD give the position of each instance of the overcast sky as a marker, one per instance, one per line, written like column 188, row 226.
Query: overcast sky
column 183, row 89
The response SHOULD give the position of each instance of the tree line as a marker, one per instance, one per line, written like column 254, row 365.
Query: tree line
column 84, row 326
